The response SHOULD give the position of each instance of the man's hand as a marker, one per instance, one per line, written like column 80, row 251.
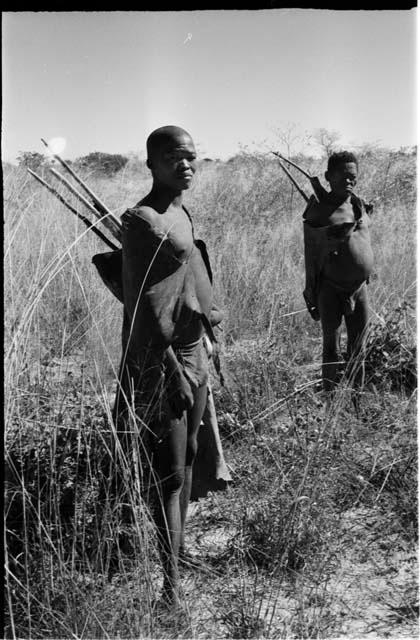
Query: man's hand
column 313, row 310
column 180, row 396
column 338, row 233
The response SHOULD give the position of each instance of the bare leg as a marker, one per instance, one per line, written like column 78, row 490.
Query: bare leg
column 356, row 324
column 174, row 457
column 331, row 316
column 356, row 328
column 193, row 421
column 169, row 464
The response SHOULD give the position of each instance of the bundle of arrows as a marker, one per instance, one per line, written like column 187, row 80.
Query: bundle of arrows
column 92, row 203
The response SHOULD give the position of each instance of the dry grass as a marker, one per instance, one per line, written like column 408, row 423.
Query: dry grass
column 318, row 496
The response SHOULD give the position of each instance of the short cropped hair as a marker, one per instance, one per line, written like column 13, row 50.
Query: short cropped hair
column 339, row 157
column 163, row 136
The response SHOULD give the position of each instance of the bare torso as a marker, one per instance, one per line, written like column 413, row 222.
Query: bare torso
column 175, row 226
column 351, row 263
column 350, row 259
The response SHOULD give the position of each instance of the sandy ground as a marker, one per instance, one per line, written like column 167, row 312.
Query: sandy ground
column 372, row 594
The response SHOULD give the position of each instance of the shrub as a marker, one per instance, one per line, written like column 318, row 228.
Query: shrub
column 286, row 511
column 31, row 160
column 391, row 354
column 102, row 163
column 53, row 467
column 375, row 466
column 73, row 511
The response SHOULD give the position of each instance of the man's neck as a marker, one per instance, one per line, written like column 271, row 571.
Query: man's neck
column 162, row 198
column 338, row 199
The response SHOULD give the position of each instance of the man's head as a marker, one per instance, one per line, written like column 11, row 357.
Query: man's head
column 342, row 172
column 171, row 157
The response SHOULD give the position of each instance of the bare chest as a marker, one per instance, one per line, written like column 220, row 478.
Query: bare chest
column 174, row 227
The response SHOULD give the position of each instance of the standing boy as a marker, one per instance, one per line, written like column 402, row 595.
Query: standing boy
column 338, row 262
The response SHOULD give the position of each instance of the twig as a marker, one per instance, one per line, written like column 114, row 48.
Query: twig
column 292, row 313
column 268, row 410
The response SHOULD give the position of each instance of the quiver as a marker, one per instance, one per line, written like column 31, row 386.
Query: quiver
column 316, row 249
column 109, row 267
column 326, row 228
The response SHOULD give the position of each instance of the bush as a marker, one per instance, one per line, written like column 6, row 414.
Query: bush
column 375, row 467
column 31, row 160
column 391, row 355
column 102, row 163
column 285, row 512
column 53, row 470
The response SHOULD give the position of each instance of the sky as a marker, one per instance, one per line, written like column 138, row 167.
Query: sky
column 102, row 81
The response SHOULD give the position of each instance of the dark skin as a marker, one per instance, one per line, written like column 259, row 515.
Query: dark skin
column 342, row 180
column 349, row 265
column 172, row 162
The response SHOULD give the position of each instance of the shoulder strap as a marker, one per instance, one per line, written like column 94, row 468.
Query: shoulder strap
column 201, row 245
column 189, row 218
column 357, row 205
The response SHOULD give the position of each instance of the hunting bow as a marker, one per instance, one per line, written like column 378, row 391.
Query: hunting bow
column 319, row 190
column 295, row 183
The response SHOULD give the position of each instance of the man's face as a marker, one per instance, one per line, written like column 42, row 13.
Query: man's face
column 175, row 163
column 342, row 178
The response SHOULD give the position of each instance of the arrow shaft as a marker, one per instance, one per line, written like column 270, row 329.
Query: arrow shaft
column 103, row 210
column 70, row 208
column 87, row 204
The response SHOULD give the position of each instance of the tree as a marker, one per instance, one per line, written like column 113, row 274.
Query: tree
column 293, row 140
column 327, row 140
column 31, row 160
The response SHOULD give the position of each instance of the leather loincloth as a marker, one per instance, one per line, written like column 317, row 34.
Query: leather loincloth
column 347, row 297
column 194, row 362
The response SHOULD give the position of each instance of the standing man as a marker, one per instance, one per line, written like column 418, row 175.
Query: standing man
column 168, row 298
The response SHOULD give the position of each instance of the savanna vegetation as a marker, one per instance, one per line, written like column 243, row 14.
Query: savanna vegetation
column 317, row 536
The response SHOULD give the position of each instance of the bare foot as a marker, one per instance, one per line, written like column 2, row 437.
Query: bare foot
column 170, row 598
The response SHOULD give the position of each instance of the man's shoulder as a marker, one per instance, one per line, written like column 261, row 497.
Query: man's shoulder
column 140, row 214
column 317, row 212
column 361, row 205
